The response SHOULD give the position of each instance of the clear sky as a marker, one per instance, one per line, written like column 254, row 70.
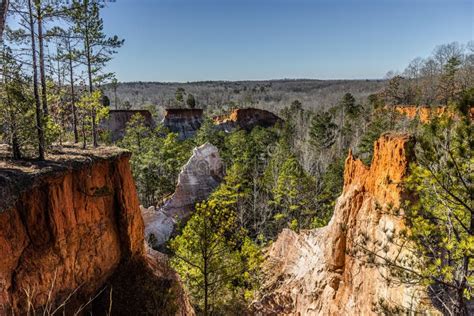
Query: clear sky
column 190, row 40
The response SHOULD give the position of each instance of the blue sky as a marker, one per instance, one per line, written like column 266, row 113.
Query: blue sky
column 190, row 40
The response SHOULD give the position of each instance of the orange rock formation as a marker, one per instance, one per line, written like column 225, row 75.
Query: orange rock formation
column 425, row 113
column 315, row 272
column 68, row 231
column 246, row 118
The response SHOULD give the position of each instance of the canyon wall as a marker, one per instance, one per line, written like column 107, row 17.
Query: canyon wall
column 116, row 122
column 247, row 119
column 202, row 173
column 425, row 113
column 184, row 122
column 317, row 272
column 71, row 225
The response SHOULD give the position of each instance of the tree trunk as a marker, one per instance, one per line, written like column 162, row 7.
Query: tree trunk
column 39, row 113
column 206, row 272
column 83, row 134
column 44, row 95
column 206, row 290
column 89, row 74
column 341, row 136
column 115, row 96
column 73, row 99
column 16, row 151
column 3, row 16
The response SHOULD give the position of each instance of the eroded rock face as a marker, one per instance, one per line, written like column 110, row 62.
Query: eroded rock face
column 425, row 113
column 70, row 228
column 117, row 121
column 246, row 119
column 199, row 177
column 184, row 122
column 315, row 273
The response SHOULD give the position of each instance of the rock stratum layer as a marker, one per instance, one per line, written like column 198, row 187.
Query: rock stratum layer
column 425, row 113
column 70, row 230
column 198, row 178
column 184, row 122
column 116, row 122
column 314, row 273
column 246, row 119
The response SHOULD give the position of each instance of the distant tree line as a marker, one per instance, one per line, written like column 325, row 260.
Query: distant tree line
column 435, row 80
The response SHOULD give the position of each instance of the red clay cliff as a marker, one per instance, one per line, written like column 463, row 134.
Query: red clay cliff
column 73, row 222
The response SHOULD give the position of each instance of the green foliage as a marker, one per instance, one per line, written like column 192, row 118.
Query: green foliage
column 332, row 183
column 53, row 131
column 191, row 101
column 98, row 47
column 375, row 101
column 441, row 220
column 379, row 124
column 209, row 134
column 206, row 257
column 179, row 95
column 322, row 131
column 91, row 111
column 351, row 109
column 156, row 159
column 449, row 88
column 16, row 113
column 293, row 196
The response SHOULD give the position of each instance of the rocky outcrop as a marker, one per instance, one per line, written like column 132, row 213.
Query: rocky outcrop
column 199, row 177
column 73, row 223
column 316, row 272
column 246, row 119
column 116, row 122
column 424, row 113
column 184, row 122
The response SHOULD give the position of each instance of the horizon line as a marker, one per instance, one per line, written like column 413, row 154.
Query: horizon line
column 250, row 80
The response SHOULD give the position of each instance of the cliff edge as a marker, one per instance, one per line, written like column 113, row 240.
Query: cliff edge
column 70, row 226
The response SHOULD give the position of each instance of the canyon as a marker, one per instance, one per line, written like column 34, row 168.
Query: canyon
column 72, row 230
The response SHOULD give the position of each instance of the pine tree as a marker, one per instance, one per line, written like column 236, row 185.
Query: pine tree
column 97, row 47
column 91, row 111
column 205, row 256
column 448, row 86
column 16, row 117
column 323, row 131
column 191, row 101
column 441, row 220
column 291, row 196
